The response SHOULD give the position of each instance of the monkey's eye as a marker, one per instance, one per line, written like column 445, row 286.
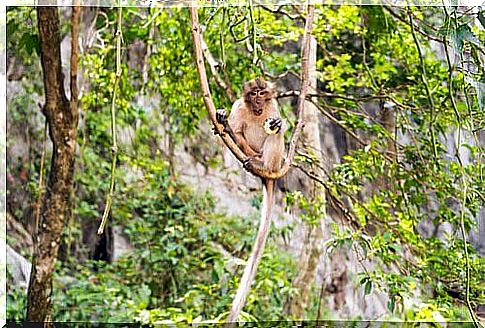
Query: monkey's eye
column 253, row 93
column 263, row 93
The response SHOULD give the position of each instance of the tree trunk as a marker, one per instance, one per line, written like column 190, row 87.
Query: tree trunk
column 311, row 249
column 62, row 117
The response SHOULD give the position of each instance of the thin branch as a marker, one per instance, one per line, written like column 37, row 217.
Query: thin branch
column 76, row 11
column 222, row 34
column 476, row 323
column 114, row 147
column 364, row 61
column 450, row 89
column 266, row 219
column 282, row 12
column 426, row 85
column 305, row 82
column 354, row 222
column 231, row 29
column 206, row 94
column 422, row 23
column 212, row 15
column 213, row 64
column 332, row 118
column 253, row 33
column 403, row 20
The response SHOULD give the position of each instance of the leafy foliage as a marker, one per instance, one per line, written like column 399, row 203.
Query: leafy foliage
column 411, row 160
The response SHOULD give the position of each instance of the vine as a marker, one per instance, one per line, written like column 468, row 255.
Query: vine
column 114, row 147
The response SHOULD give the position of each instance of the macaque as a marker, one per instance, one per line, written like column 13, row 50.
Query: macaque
column 255, row 125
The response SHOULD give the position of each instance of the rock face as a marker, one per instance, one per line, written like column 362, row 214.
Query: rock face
column 19, row 268
column 121, row 244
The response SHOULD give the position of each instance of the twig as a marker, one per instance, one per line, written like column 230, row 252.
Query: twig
column 422, row 23
column 305, row 82
column 354, row 223
column 206, row 94
column 213, row 64
column 114, row 147
column 212, row 15
column 364, row 61
column 280, row 11
column 403, row 20
column 222, row 34
column 450, row 89
column 253, row 33
column 329, row 116
column 426, row 85
column 232, row 26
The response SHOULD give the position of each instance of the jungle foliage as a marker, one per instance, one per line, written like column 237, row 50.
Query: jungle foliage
column 416, row 159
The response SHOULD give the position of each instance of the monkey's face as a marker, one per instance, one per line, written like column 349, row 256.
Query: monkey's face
column 257, row 98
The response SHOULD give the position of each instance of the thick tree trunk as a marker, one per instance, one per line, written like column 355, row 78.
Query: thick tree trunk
column 62, row 117
column 311, row 249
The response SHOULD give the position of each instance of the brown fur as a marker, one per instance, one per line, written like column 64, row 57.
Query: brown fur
column 266, row 150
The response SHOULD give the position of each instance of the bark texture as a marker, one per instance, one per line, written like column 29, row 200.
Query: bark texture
column 62, row 117
column 311, row 250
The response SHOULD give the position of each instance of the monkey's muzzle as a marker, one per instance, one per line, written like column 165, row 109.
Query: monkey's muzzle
column 258, row 111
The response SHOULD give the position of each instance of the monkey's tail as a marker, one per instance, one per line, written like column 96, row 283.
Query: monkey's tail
column 256, row 253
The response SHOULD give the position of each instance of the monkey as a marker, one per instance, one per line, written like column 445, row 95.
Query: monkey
column 255, row 125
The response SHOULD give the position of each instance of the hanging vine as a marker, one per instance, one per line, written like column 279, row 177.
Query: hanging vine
column 114, row 147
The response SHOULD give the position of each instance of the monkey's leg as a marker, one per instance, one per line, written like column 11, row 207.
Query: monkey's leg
column 273, row 152
column 238, row 138
column 242, row 143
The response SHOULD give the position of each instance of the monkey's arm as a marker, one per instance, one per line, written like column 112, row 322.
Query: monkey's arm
column 234, row 126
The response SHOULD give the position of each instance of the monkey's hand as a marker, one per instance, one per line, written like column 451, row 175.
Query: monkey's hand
column 221, row 116
column 272, row 125
column 252, row 162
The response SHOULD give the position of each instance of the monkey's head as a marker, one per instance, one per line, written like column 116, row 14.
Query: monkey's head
column 256, row 94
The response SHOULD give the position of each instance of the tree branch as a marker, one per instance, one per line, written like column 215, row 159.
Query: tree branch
column 206, row 94
column 76, row 11
column 213, row 64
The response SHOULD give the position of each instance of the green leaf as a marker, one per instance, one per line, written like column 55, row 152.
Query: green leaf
column 30, row 42
column 481, row 17
column 368, row 287
column 12, row 27
column 391, row 304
